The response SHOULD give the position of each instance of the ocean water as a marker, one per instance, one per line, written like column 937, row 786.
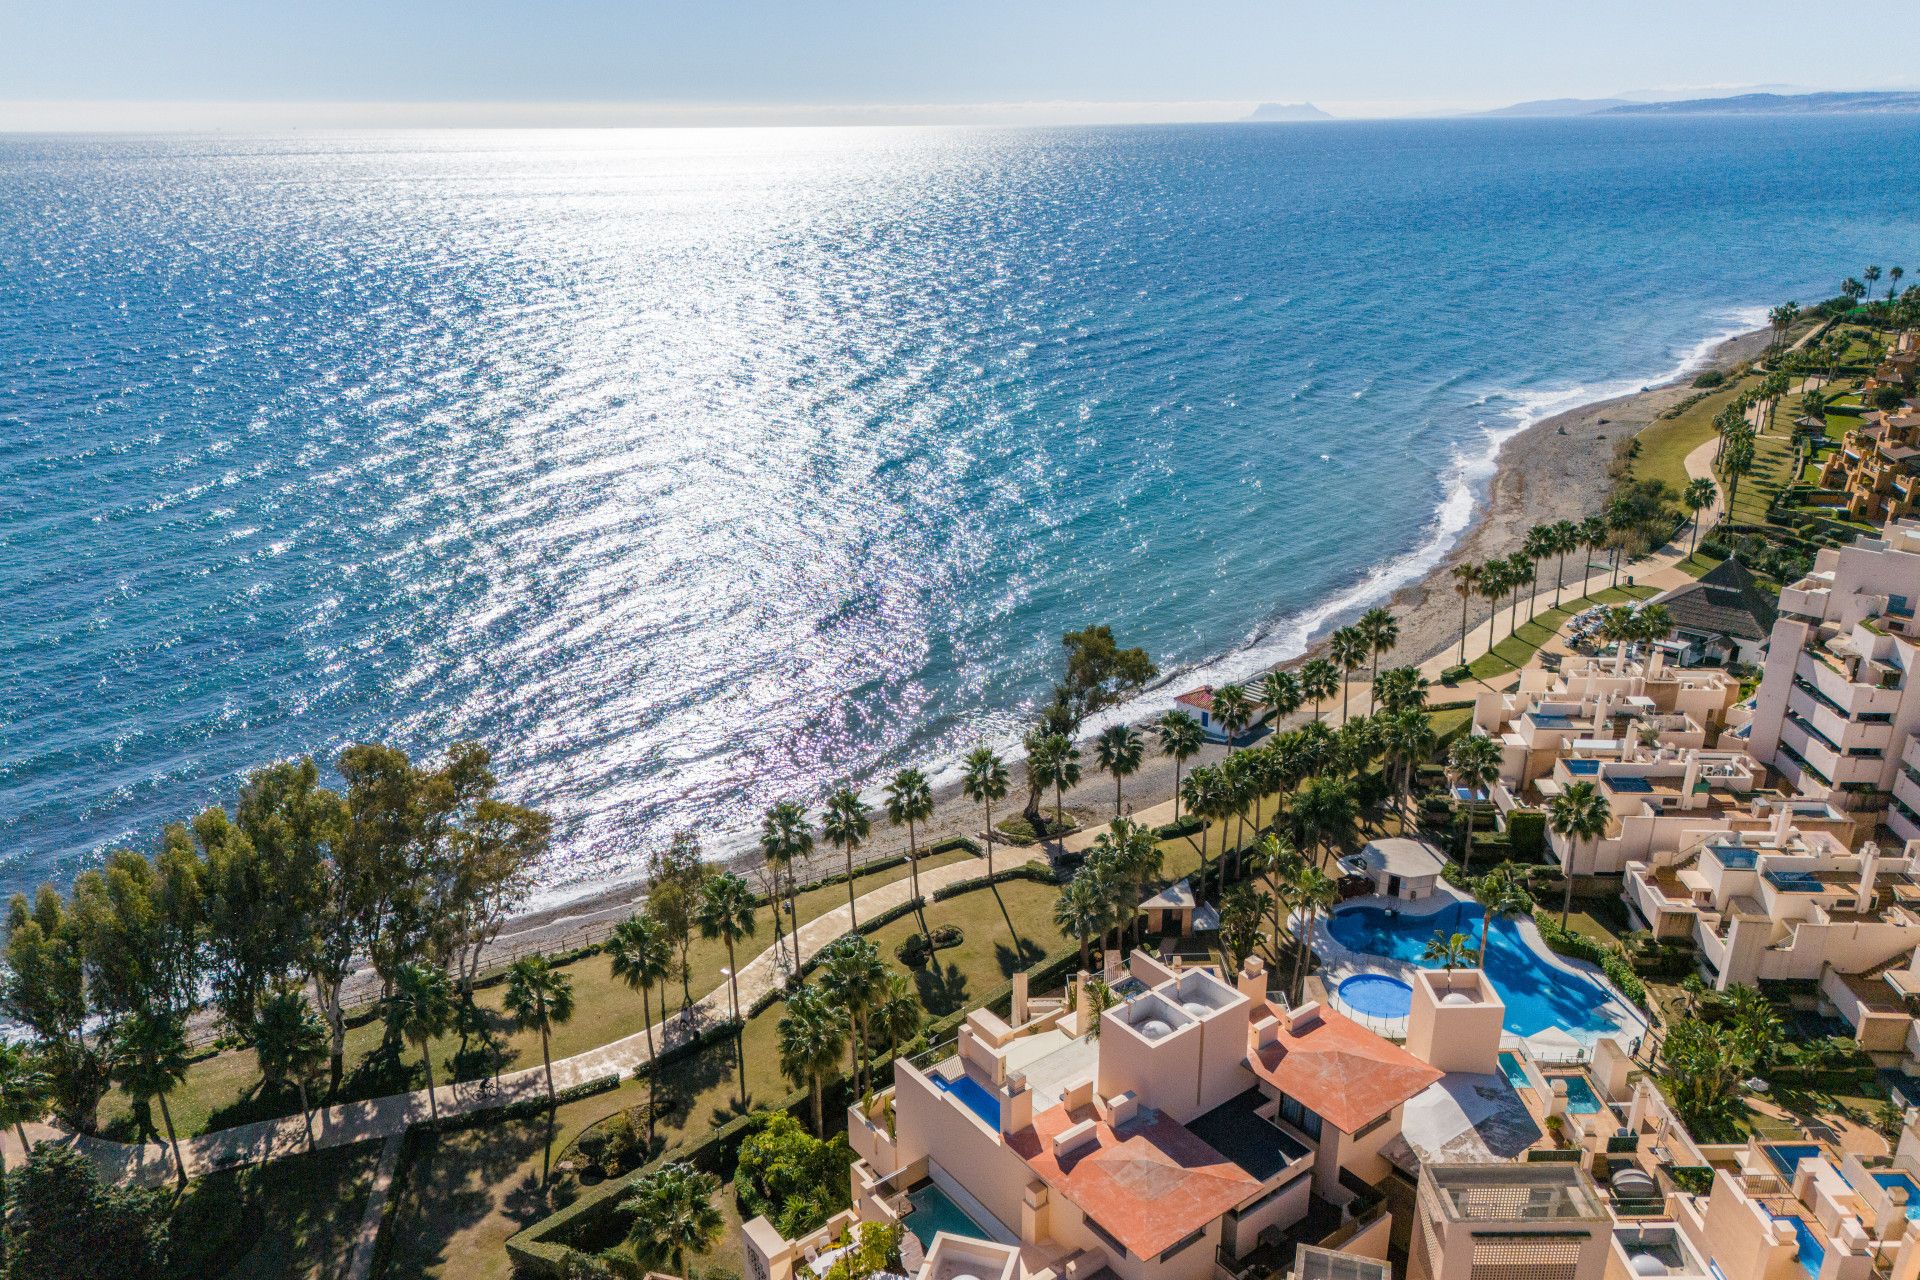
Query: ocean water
column 694, row 469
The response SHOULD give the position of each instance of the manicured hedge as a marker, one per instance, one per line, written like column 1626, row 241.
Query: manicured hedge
column 1177, row 830
column 1527, row 834
column 1025, row 871
column 1612, row 961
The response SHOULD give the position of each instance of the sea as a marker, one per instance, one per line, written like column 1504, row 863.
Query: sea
column 694, row 469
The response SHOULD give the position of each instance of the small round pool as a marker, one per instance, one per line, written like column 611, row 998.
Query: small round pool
column 1376, row 995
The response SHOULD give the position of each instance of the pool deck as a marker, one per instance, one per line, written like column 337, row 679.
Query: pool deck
column 1338, row 962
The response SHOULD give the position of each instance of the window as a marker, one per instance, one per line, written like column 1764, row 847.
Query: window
column 1371, row 1125
column 1875, row 717
column 1865, row 753
column 1299, row 1117
column 1106, row 1239
column 1179, row 1245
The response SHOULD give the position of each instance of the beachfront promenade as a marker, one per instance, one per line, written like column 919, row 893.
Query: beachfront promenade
column 347, row 1123
column 379, row 1118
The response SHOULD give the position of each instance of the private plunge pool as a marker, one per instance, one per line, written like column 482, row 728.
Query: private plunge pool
column 1538, row 992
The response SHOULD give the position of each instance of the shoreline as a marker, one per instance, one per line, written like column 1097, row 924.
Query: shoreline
column 1550, row 469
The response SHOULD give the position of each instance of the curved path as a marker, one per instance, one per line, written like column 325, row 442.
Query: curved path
column 349, row 1122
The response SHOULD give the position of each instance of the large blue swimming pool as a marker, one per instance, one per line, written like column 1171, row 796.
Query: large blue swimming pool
column 1538, row 993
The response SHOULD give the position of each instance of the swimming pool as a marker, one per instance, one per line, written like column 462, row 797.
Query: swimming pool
column 1515, row 1073
column 1906, row 1184
column 1812, row 1252
column 1377, row 995
column 1538, row 992
column 973, row 1095
column 1786, row 1156
column 1581, row 1099
column 933, row 1211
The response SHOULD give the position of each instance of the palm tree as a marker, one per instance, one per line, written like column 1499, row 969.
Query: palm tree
column 846, row 826
column 1318, row 680
column 984, row 781
column 1233, row 710
column 1208, row 798
column 291, row 1043
column 673, row 1215
column 1698, row 496
column 1280, row 691
column 1578, row 814
column 1315, row 891
column 1449, row 950
column 1382, row 631
column 642, row 956
column 726, row 912
column 1501, row 892
column 1872, row 277
column 1409, row 737
column 812, row 1033
column 1350, row 651
column 910, row 801
column 1566, row 537
column 1539, row 545
column 897, row 1013
column 853, row 977
column 23, row 1094
column 1082, row 910
column 539, row 998
column 149, row 1057
column 1119, row 750
column 1282, row 864
column 419, row 1009
column 1736, row 462
column 1474, row 762
column 1519, row 573
column 1053, row 761
column 1593, row 536
column 1893, row 281
column 1495, row 579
column 1180, row 738
column 1466, row 585
column 786, row 837
column 1323, row 809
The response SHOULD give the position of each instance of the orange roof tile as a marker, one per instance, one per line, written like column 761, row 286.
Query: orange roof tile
column 1341, row 1071
column 1201, row 697
column 1149, row 1184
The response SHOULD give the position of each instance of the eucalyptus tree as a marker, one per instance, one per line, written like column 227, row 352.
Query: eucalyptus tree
column 1119, row 750
column 910, row 802
column 984, row 781
column 1180, row 739
column 786, row 838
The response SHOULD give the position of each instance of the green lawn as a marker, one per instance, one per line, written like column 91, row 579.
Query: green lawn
column 293, row 1219
column 1665, row 444
column 223, row 1090
column 1514, row 651
column 467, row 1192
column 1698, row 564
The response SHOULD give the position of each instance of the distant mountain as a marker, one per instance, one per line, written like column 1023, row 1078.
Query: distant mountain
column 1776, row 104
column 1270, row 111
column 1559, row 107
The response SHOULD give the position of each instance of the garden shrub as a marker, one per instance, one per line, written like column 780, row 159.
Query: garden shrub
column 1710, row 378
column 1527, row 834
column 1612, row 961
column 913, row 950
column 794, row 1178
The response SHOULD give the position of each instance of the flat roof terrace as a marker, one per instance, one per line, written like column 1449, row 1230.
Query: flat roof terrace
column 1254, row 1143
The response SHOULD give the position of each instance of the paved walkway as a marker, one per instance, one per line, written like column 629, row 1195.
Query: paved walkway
column 367, row 1239
column 346, row 1123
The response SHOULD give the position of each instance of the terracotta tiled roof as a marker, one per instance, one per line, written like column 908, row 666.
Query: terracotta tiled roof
column 1341, row 1071
column 1149, row 1184
column 1201, row 697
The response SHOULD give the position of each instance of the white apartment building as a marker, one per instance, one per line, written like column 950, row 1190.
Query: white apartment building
column 1835, row 712
column 1660, row 801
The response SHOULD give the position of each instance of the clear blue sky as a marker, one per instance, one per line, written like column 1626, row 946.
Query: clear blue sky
column 717, row 60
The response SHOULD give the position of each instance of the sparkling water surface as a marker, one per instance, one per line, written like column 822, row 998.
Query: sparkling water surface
column 694, row 469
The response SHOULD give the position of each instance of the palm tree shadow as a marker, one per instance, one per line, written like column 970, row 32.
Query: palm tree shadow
column 1012, row 960
column 941, row 990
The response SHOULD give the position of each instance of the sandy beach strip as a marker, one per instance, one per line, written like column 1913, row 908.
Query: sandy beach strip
column 1554, row 470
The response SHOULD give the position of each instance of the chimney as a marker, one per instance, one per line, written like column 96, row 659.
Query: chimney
column 1687, row 781
column 1306, row 1016
column 1869, row 866
column 1782, row 820
column 1019, row 1010
column 1016, row 1113
column 1083, row 1019
column 1253, row 978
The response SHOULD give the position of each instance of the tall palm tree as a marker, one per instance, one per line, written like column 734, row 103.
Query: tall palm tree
column 1053, row 762
column 726, row 912
column 1281, row 863
column 1501, row 892
column 1082, row 910
column 812, row 1034
column 1474, row 762
column 1319, row 679
column 539, row 998
column 291, row 1043
column 1520, row 574
column 1409, row 737
column 1736, row 462
column 1350, row 650
column 897, row 1014
column 23, row 1094
column 1578, row 814
column 1593, row 536
column 1447, row 949
column 1539, row 545
column 1119, row 750
column 149, row 1060
column 1315, row 891
column 1871, row 276
column 1466, row 585
column 1382, row 631
column 846, row 826
column 1494, row 582
column 1566, row 537
column 1207, row 797
column 673, row 1215
column 853, row 977
column 1280, row 692
column 909, row 802
column 1180, row 738
column 1893, row 281
column 984, row 781
column 1324, row 810
column 1233, row 710
column 1698, row 496
column 642, row 956
column 786, row 837
column 419, row 1008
